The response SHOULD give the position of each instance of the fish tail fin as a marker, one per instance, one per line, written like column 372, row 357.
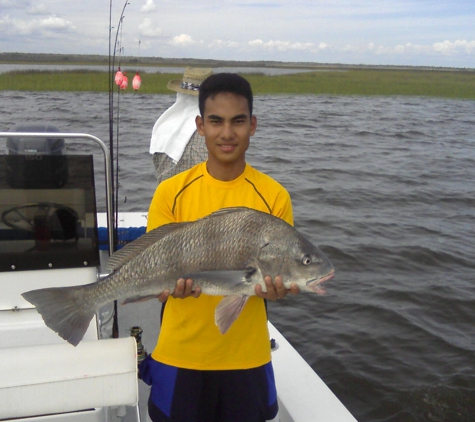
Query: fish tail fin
column 63, row 310
column 228, row 310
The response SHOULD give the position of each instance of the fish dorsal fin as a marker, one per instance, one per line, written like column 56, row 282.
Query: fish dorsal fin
column 226, row 211
column 135, row 248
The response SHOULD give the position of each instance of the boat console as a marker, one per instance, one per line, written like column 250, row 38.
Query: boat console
column 49, row 238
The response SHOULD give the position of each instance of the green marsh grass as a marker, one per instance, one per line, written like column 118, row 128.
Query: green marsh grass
column 436, row 83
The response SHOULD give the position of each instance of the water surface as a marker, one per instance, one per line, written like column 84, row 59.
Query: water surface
column 386, row 186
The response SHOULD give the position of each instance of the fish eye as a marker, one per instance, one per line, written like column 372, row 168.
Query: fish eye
column 306, row 260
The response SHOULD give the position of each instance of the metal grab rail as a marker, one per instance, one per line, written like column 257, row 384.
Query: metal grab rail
column 107, row 165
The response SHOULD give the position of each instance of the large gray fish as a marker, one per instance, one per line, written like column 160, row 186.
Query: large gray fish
column 227, row 253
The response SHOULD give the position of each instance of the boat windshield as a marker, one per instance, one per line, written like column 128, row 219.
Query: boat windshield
column 48, row 212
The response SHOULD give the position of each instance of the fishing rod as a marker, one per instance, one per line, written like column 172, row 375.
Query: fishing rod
column 119, row 88
column 115, row 184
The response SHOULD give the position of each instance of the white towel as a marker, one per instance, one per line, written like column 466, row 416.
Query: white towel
column 174, row 128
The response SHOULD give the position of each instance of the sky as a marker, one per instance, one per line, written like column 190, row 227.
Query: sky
column 373, row 32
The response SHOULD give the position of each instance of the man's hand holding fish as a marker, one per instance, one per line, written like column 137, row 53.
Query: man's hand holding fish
column 274, row 291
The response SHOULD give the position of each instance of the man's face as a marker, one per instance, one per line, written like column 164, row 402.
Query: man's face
column 227, row 127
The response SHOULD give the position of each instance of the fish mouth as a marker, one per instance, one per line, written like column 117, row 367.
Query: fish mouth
column 316, row 283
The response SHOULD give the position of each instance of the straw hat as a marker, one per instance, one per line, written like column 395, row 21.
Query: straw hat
column 191, row 81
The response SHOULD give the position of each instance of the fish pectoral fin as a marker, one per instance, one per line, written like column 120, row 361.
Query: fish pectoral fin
column 228, row 280
column 138, row 298
column 228, row 310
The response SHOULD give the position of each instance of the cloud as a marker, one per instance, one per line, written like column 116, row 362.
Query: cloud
column 273, row 46
column 54, row 23
column 148, row 29
column 38, row 9
column 278, row 46
column 183, row 40
column 223, row 44
column 281, row 45
column 26, row 27
column 446, row 48
column 449, row 47
column 148, row 6
column 12, row 4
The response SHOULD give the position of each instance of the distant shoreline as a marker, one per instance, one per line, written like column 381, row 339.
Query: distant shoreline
column 313, row 79
column 43, row 58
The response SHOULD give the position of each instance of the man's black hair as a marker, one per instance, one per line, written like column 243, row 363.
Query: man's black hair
column 224, row 82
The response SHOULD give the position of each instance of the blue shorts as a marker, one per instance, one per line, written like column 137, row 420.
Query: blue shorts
column 185, row 395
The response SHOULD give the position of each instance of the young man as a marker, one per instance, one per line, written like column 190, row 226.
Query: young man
column 196, row 373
